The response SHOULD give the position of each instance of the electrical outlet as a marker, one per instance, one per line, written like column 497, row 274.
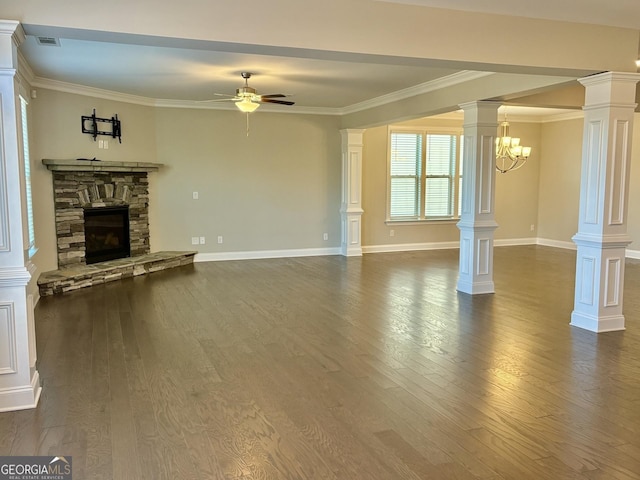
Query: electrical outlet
column 325, row 236
column 100, row 143
column 392, row 233
column 195, row 241
column 201, row 240
column 219, row 238
column 195, row 195
column 106, row 144
column 533, row 227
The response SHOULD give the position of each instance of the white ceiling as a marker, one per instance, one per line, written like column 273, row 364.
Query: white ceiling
column 182, row 71
column 196, row 74
column 618, row 13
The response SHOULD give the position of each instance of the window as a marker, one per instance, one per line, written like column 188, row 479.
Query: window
column 425, row 175
column 27, row 174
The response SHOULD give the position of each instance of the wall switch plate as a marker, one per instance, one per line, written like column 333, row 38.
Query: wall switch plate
column 201, row 240
column 195, row 240
column 195, row 195
column 392, row 233
column 533, row 227
column 106, row 144
column 325, row 236
column 219, row 238
column 100, row 143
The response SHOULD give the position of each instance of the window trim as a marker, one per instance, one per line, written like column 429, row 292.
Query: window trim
column 422, row 219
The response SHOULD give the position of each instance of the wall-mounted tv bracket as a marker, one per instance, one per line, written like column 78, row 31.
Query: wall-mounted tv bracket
column 90, row 126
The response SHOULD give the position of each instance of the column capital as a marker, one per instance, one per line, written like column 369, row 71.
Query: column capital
column 478, row 104
column 11, row 37
column 352, row 136
column 481, row 114
column 610, row 89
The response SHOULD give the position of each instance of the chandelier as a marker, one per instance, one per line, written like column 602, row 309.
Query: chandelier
column 510, row 155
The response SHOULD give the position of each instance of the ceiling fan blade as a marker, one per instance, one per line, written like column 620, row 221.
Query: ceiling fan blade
column 281, row 102
column 274, row 95
column 214, row 100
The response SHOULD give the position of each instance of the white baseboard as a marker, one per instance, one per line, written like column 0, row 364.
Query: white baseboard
column 547, row 242
column 398, row 247
column 22, row 397
column 510, row 242
column 409, row 247
column 635, row 254
column 260, row 254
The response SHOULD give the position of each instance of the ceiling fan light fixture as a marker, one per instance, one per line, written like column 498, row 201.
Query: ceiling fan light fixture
column 246, row 105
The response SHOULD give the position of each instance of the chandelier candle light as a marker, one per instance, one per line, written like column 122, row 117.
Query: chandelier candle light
column 510, row 155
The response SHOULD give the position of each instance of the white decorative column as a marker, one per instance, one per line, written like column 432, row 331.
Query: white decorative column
column 604, row 195
column 477, row 222
column 19, row 379
column 351, row 209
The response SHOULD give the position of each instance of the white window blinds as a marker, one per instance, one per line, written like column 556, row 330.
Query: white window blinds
column 405, row 166
column 424, row 175
column 27, row 172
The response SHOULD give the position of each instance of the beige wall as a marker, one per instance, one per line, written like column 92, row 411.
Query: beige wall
column 277, row 189
column 358, row 27
column 55, row 132
column 560, row 181
column 516, row 193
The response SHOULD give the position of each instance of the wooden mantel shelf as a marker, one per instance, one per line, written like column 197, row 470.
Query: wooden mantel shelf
column 72, row 165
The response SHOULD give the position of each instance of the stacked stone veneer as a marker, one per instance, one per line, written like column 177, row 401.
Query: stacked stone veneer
column 74, row 191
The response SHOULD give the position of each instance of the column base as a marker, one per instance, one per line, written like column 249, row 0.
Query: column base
column 21, row 398
column 351, row 245
column 348, row 251
column 477, row 288
column 612, row 323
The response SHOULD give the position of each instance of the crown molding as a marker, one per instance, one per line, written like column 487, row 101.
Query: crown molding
column 437, row 84
column 77, row 89
column 523, row 118
column 66, row 87
column 562, row 117
column 450, row 80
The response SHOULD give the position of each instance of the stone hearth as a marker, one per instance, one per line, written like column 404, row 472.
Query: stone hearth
column 81, row 276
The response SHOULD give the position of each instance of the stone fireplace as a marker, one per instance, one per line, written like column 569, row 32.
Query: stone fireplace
column 89, row 194
column 102, row 225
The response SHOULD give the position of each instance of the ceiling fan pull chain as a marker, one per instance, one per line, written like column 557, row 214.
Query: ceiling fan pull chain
column 247, row 124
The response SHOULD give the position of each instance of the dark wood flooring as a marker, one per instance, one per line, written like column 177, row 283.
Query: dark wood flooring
column 333, row 368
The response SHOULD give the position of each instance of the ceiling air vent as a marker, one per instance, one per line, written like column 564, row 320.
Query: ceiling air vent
column 48, row 41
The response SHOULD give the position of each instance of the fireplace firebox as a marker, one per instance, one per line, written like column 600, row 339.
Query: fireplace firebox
column 106, row 232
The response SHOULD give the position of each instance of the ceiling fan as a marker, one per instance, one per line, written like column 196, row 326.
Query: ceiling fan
column 247, row 99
